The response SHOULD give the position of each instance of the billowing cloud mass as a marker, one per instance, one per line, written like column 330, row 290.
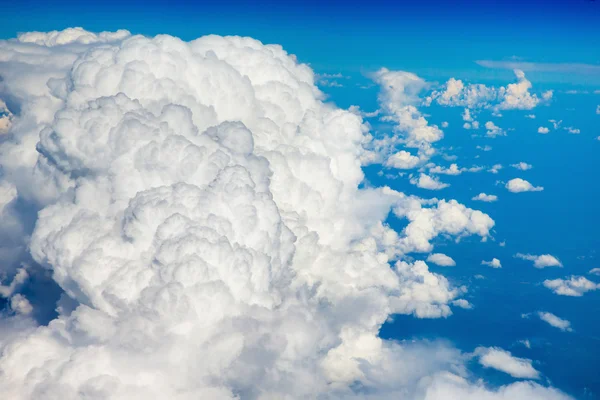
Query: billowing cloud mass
column 488, row 198
column 198, row 205
column 541, row 261
column 555, row 321
column 502, row 360
column 495, row 263
column 441, row 260
column 518, row 185
column 575, row 286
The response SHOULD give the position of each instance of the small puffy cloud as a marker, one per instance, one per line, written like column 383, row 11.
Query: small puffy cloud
column 543, row 129
column 519, row 185
column 598, row 110
column 492, row 130
column 495, row 263
column 575, row 286
column 541, row 261
column 453, row 169
column 20, row 305
column 572, row 130
column 495, row 168
column 445, row 124
column 425, row 181
column 523, row 166
column 488, row 198
column 484, row 148
column 555, row 321
column 441, row 259
column 594, row 271
column 462, row 303
column 530, row 116
column 402, row 160
column 504, row 361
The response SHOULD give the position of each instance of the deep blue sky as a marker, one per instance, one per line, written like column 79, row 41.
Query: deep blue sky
column 434, row 38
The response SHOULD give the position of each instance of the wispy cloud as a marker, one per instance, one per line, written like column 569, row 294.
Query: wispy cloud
column 573, row 68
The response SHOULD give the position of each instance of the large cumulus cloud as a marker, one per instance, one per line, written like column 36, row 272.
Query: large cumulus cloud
column 199, row 206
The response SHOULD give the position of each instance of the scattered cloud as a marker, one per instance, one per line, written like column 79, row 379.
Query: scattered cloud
column 575, row 286
column 495, row 263
column 493, row 130
column 425, row 181
column 488, row 198
column 441, row 259
column 504, row 361
column 541, row 261
column 530, row 116
column 543, row 129
column 523, row 166
column 572, row 130
column 569, row 68
column 555, row 321
column 518, row 185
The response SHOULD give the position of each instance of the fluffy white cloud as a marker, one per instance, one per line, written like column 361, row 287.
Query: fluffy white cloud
column 453, row 169
column 594, row 271
column 543, row 129
column 523, row 166
column 572, row 130
column 530, row 116
column 425, row 181
column 493, row 130
column 518, row 185
column 541, row 261
column 445, row 124
column 495, row 263
column 402, row 160
column 502, row 360
column 441, row 260
column 199, row 206
column 575, row 286
column 513, row 96
column 495, row 168
column 555, row 321
column 488, row 198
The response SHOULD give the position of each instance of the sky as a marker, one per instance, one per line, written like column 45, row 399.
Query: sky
column 383, row 200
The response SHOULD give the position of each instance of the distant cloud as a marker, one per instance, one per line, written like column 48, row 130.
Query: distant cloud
column 504, row 361
column 530, row 116
column 575, row 286
column 495, row 263
column 441, row 259
column 523, row 166
column 555, row 321
column 572, row 130
column 427, row 182
column 594, row 271
column 598, row 110
column 541, row 261
column 495, row 168
column 493, row 130
column 543, row 129
column 519, row 185
column 571, row 68
column 488, row 198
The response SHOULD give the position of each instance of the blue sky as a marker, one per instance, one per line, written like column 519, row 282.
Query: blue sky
column 555, row 43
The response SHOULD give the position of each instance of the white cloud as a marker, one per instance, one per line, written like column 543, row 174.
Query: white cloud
column 199, row 201
column 402, row 160
column 541, row 261
column 445, row 124
column 462, row 303
column 441, row 259
column 513, row 96
column 575, row 286
column 598, row 109
column 594, row 271
column 485, row 197
column 555, row 124
column 425, row 181
column 504, row 361
column 555, row 321
column 519, row 185
column 572, row 130
column 523, row 166
column 530, row 116
column 563, row 68
column 493, row 130
column 484, row 148
column 495, row 168
column 543, row 129
column 495, row 263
